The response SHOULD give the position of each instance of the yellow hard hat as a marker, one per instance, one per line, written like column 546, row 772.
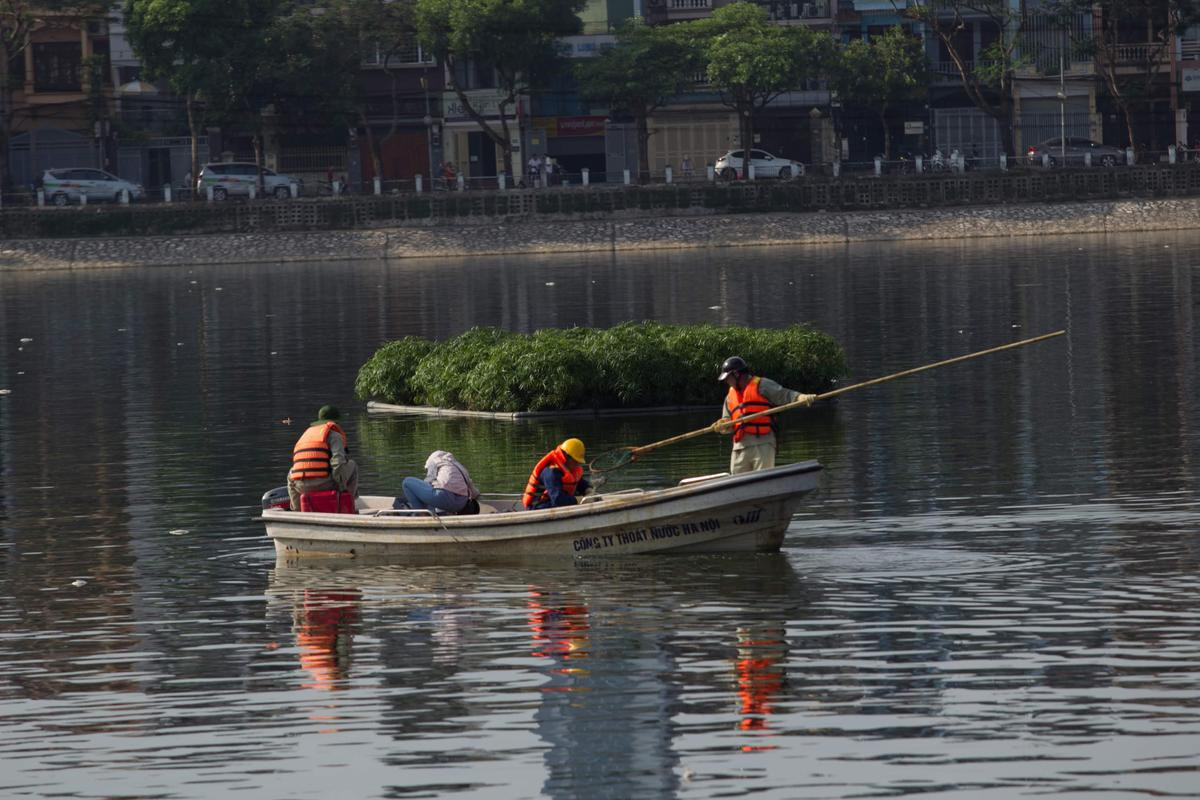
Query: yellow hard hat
column 573, row 448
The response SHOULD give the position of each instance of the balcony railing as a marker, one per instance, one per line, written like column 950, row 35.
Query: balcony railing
column 1190, row 50
column 1137, row 53
column 689, row 5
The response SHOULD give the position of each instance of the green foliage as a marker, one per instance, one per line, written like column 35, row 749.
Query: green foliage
column 389, row 370
column 633, row 365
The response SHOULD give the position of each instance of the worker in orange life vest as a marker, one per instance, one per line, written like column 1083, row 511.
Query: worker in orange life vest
column 321, row 460
column 753, row 442
column 558, row 478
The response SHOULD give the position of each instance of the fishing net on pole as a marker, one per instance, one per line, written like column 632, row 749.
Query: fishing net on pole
column 611, row 459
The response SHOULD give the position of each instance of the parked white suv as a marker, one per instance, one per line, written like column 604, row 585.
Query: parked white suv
column 63, row 186
column 236, row 177
column 729, row 166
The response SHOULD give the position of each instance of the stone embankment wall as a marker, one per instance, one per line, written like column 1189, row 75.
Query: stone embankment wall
column 480, row 236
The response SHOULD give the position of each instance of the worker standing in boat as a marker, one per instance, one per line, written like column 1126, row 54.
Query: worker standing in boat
column 753, row 442
column 321, row 460
column 557, row 480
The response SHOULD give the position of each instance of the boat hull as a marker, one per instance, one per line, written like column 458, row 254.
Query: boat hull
column 734, row 513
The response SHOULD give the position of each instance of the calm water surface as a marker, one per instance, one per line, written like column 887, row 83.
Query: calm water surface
column 996, row 593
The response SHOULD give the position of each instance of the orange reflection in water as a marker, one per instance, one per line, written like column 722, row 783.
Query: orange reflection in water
column 560, row 629
column 324, row 628
column 760, row 678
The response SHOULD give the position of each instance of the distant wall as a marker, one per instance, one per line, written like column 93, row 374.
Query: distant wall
column 641, row 232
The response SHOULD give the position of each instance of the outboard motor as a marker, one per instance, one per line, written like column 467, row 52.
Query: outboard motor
column 277, row 498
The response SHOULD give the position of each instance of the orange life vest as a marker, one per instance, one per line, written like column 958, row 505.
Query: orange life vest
column 748, row 401
column 535, row 491
column 310, row 456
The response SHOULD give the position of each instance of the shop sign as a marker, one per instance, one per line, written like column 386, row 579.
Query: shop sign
column 485, row 101
column 571, row 126
column 1190, row 79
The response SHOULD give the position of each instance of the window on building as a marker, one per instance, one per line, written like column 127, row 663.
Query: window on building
column 57, row 67
column 471, row 75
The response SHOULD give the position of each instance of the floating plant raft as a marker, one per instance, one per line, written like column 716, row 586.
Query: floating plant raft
column 635, row 367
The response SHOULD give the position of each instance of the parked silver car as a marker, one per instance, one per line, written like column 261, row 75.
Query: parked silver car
column 1103, row 155
column 63, row 186
column 236, row 177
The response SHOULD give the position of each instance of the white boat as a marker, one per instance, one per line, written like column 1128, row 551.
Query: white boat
column 722, row 513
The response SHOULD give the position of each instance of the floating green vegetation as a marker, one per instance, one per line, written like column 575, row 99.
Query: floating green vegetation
column 634, row 365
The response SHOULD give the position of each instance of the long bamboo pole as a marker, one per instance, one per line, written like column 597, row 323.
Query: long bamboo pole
column 637, row 451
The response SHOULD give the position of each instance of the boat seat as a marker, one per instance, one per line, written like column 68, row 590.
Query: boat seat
column 699, row 478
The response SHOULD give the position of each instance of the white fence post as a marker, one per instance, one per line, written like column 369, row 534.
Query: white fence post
column 667, row 174
column 1129, row 157
column 294, row 190
column 462, row 182
column 586, row 173
column 82, row 199
column 41, row 198
column 878, row 166
column 920, row 161
column 253, row 191
column 124, row 197
column 420, row 181
column 336, row 188
column 751, row 174
column 837, row 169
column 166, row 192
column 710, row 172
column 1087, row 159
column 378, row 185
column 1004, row 162
column 1046, row 160
column 502, row 181
column 626, row 176
column 1171, row 154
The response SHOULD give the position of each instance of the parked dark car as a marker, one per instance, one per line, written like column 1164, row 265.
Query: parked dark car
column 1103, row 155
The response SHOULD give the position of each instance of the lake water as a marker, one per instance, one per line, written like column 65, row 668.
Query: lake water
column 995, row 593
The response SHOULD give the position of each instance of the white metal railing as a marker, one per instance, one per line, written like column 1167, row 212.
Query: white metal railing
column 1133, row 53
column 1189, row 50
column 688, row 5
column 409, row 52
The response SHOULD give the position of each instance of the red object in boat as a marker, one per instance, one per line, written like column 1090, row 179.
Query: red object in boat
column 328, row 502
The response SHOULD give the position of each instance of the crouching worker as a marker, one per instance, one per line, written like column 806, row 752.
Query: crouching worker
column 557, row 480
column 321, row 461
column 447, row 486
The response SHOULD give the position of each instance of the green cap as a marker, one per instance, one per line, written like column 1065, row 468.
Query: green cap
column 330, row 413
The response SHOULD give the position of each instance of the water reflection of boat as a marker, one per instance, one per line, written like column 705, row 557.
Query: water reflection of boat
column 725, row 513
column 617, row 662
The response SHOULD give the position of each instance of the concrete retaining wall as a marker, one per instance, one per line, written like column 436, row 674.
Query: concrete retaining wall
column 560, row 236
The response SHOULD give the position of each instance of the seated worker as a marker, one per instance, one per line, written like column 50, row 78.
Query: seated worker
column 320, row 459
column 558, row 478
column 447, row 486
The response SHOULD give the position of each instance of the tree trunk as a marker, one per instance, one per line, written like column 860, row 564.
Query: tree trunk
column 747, row 135
column 375, row 147
column 194, row 138
column 643, row 140
column 887, row 134
column 5, row 118
column 256, row 141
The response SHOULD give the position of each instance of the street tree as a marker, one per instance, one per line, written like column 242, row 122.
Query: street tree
column 885, row 72
column 516, row 40
column 641, row 72
column 18, row 19
column 989, row 75
column 380, row 31
column 1130, row 41
column 750, row 61
column 195, row 46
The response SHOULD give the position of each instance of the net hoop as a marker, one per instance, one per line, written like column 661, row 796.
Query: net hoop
column 611, row 459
